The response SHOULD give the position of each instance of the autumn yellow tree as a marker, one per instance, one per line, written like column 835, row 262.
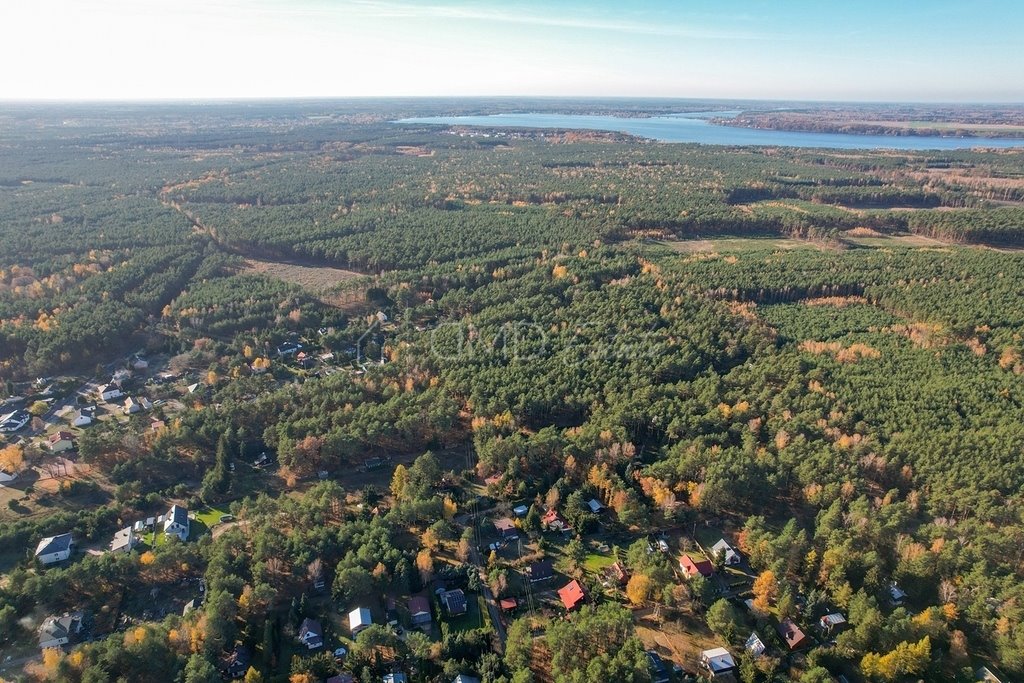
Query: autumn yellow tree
column 638, row 589
column 430, row 540
column 766, row 590
column 399, row 480
column 906, row 659
column 12, row 459
column 425, row 565
column 51, row 659
column 253, row 676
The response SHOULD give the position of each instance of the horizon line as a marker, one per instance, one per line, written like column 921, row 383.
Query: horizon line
column 326, row 98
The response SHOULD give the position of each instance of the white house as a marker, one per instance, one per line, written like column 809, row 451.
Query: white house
column 176, row 522
column 726, row 551
column 54, row 549
column 57, row 631
column 12, row 422
column 718, row 661
column 108, row 392
column 136, row 405
column 124, row 541
column 7, row 477
column 754, row 645
column 82, row 419
column 359, row 620
column 311, row 634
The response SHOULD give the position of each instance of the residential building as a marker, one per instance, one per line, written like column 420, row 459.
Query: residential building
column 176, row 522
column 237, row 662
column 311, row 634
column 506, row 528
column 61, row 441
column 552, row 521
column 754, row 645
column 792, row 635
column 832, row 623
column 359, row 620
column 109, row 392
column 723, row 550
column 718, row 662
column 691, row 567
column 454, row 602
column 58, row 631
column 124, row 541
column 54, row 548
column 571, row 595
column 419, row 611
column 540, row 571
column 656, row 666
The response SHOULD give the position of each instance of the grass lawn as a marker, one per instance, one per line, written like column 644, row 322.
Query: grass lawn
column 707, row 536
column 597, row 563
column 473, row 618
column 210, row 517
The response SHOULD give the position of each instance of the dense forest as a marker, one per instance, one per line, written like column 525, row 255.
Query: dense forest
column 815, row 355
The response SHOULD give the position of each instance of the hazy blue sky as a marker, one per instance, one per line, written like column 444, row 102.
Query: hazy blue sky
column 806, row 49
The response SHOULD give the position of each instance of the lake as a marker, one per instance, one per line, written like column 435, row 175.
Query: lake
column 694, row 127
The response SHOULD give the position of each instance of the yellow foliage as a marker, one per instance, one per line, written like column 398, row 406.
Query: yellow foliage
column 51, row 658
column 76, row 658
column 429, row 540
column 766, row 590
column 12, row 459
column 559, row 272
column 425, row 564
column 147, row 558
column 450, row 508
column 638, row 589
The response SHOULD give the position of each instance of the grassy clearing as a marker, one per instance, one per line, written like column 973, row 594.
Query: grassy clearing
column 888, row 241
column 738, row 244
column 210, row 517
column 598, row 562
column 315, row 279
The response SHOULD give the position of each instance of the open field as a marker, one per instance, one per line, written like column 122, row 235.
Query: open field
column 894, row 241
column 992, row 129
column 316, row 279
column 730, row 244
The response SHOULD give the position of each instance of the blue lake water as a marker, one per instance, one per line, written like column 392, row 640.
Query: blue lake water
column 694, row 127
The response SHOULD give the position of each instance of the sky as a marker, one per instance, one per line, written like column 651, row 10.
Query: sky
column 852, row 50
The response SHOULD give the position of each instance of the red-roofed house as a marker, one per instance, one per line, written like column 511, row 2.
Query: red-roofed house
column 692, row 567
column 792, row 635
column 553, row 521
column 571, row 595
column 61, row 441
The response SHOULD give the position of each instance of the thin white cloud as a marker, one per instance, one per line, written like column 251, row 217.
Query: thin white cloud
column 399, row 10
